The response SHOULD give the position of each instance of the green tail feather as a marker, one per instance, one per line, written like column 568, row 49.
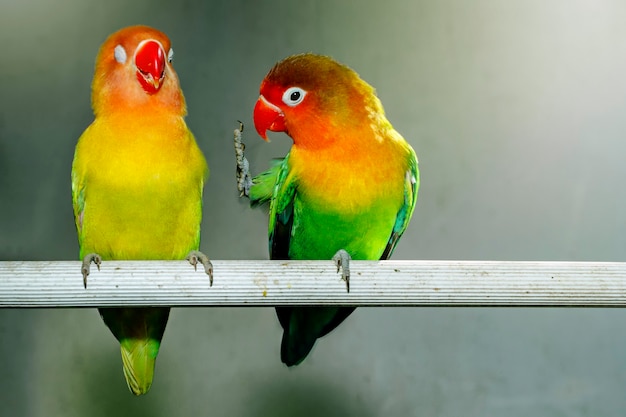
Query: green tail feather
column 139, row 357
column 139, row 331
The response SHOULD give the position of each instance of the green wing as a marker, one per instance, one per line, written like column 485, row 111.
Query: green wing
column 281, row 213
column 411, row 186
column 78, row 204
column 263, row 184
column 275, row 186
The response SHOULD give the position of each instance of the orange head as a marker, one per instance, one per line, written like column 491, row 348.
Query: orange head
column 310, row 97
column 134, row 67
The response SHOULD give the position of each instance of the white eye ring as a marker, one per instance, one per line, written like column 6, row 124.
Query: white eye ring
column 293, row 96
column 120, row 54
column 170, row 55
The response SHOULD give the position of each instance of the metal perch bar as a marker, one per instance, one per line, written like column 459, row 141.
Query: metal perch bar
column 272, row 283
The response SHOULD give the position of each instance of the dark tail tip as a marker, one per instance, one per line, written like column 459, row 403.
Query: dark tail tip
column 293, row 352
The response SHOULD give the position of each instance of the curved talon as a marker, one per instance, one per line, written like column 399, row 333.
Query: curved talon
column 196, row 256
column 86, row 266
column 342, row 261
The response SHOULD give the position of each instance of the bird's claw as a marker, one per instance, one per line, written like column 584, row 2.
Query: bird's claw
column 244, row 179
column 86, row 266
column 342, row 261
column 196, row 256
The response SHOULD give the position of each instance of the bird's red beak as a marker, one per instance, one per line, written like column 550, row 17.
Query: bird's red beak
column 267, row 117
column 150, row 63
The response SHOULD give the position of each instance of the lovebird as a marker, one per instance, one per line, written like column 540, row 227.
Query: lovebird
column 137, row 181
column 346, row 189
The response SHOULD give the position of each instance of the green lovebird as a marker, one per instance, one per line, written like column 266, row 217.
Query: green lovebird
column 347, row 188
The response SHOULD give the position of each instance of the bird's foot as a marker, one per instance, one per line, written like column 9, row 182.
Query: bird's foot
column 196, row 256
column 342, row 261
column 86, row 266
column 244, row 179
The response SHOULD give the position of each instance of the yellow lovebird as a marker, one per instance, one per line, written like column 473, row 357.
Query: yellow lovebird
column 137, row 181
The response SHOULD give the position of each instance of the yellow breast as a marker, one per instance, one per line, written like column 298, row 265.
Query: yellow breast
column 142, row 188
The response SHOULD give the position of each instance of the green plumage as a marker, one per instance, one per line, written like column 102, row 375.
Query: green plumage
column 302, row 228
column 349, row 182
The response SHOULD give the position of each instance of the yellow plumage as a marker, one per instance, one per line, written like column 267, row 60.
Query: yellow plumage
column 141, row 181
column 137, row 180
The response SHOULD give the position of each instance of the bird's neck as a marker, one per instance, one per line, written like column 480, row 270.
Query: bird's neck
column 110, row 99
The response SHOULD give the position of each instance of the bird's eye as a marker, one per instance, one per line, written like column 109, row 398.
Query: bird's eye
column 120, row 54
column 293, row 96
column 170, row 55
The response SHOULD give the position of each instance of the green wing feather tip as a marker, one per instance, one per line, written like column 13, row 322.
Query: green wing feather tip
column 263, row 184
column 411, row 188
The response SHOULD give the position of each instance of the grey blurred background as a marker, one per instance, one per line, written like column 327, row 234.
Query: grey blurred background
column 517, row 110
